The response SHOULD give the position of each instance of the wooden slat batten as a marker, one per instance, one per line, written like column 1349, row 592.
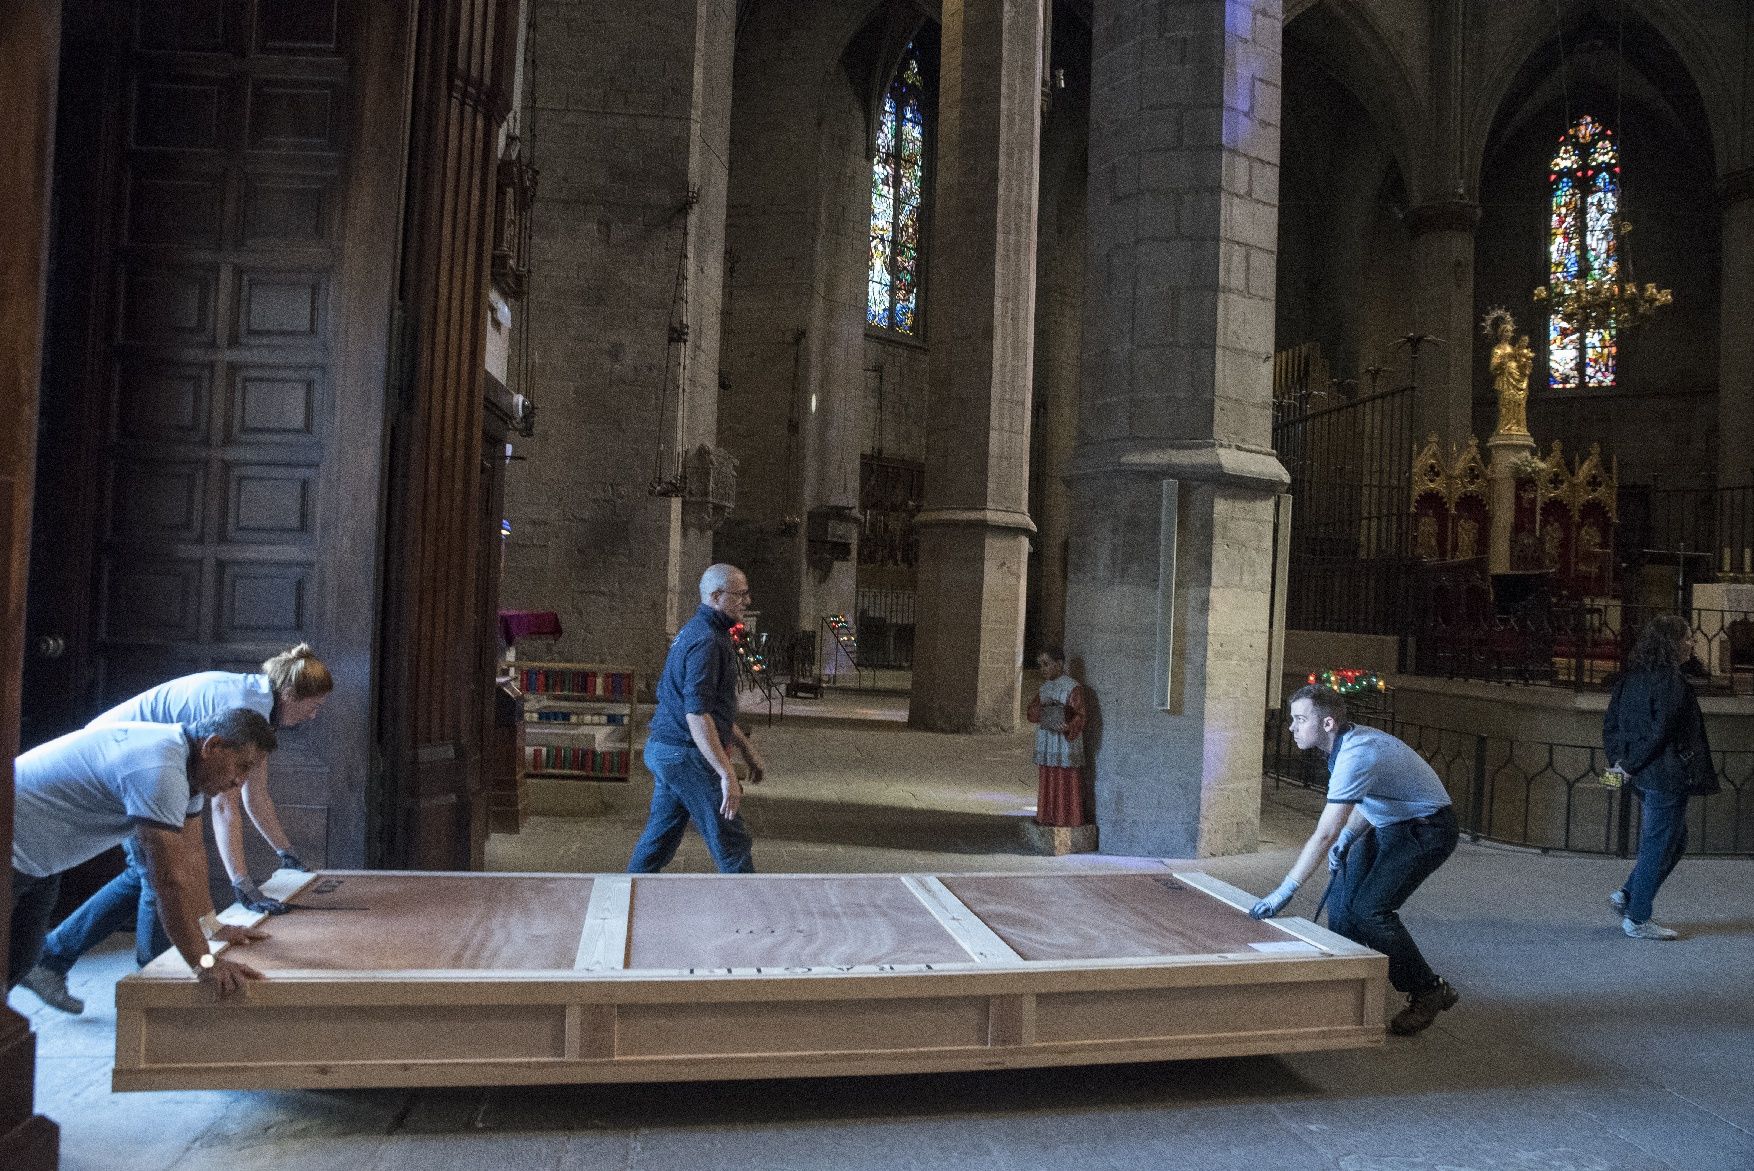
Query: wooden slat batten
column 30, row 39
column 983, row 945
column 603, row 942
column 438, row 600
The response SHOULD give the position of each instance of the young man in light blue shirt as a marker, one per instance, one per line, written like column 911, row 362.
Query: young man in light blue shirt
column 1387, row 826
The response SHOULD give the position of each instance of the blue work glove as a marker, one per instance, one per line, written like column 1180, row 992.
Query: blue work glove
column 1337, row 852
column 1275, row 902
column 251, row 896
column 290, row 860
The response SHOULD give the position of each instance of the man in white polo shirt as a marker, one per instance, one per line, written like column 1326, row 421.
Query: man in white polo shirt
column 1387, row 826
column 84, row 792
column 291, row 689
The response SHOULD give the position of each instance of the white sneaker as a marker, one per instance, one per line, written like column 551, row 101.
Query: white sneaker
column 1649, row 929
column 51, row 988
column 1617, row 900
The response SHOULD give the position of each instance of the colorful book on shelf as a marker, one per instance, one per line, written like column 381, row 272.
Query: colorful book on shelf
column 561, row 716
column 612, row 685
column 558, row 758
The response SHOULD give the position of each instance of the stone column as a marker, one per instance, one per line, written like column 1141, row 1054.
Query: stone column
column 1174, row 475
column 1443, row 307
column 1063, row 252
column 1735, row 381
column 980, row 297
column 1504, row 451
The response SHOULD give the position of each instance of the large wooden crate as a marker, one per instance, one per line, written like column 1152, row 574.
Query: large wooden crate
column 422, row 979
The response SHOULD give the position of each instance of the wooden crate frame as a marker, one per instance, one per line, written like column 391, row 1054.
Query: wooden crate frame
column 603, row 1022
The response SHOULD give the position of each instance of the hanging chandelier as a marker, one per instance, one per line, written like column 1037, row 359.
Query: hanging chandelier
column 1605, row 303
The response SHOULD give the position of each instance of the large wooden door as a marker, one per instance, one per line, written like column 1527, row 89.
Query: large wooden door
column 235, row 382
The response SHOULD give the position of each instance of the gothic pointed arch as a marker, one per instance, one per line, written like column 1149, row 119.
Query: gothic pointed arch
column 1344, row 38
column 1670, row 60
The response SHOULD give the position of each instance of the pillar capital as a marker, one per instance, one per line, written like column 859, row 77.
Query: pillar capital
column 1736, row 186
column 1449, row 215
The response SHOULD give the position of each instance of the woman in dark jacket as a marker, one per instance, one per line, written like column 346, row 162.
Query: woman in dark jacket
column 1654, row 734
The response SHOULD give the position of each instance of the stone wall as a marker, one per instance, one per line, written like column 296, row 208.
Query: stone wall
column 1345, row 277
column 892, row 420
column 1063, row 257
column 627, row 114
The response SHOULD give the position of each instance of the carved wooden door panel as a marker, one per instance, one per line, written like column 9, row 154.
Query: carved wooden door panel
column 237, row 516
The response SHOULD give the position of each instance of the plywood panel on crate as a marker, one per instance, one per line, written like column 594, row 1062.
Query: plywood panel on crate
column 853, row 1026
column 381, row 923
column 687, row 977
column 1073, row 917
column 758, row 921
column 391, row 1033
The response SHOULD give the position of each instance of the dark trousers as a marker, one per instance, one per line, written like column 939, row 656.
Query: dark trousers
column 1662, row 839
column 33, row 905
column 126, row 903
column 1380, row 870
column 685, row 788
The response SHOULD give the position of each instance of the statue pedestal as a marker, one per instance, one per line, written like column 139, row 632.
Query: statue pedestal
column 1505, row 450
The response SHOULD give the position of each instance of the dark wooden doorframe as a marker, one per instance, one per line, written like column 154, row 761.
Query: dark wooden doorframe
column 57, row 693
column 439, row 632
column 30, row 53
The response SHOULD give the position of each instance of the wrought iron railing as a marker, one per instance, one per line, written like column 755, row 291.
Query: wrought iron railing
column 1350, row 464
column 1715, row 522
column 1580, row 645
column 1542, row 794
column 885, row 619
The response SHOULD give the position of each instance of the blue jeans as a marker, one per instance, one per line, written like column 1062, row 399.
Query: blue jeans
column 1662, row 838
column 685, row 788
column 1380, row 870
column 126, row 903
column 33, row 904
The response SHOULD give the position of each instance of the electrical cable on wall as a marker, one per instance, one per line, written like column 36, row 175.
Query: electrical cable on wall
column 526, row 420
column 673, row 484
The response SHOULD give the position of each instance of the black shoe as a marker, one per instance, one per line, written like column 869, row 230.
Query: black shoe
column 1423, row 1007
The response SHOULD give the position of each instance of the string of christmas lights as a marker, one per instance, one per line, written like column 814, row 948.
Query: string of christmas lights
column 843, row 630
column 752, row 658
column 1349, row 680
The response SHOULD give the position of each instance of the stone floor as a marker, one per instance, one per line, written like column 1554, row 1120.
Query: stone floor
column 1574, row 1049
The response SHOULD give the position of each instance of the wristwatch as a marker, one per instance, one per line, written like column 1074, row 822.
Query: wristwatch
column 207, row 961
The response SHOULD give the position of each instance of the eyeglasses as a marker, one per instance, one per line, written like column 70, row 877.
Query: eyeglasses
column 735, row 593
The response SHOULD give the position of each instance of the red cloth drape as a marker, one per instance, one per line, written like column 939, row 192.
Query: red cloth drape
column 516, row 624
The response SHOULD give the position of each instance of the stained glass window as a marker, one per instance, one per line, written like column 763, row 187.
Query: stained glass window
column 1585, row 178
column 892, row 285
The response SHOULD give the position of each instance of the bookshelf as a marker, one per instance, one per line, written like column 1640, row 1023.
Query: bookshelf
column 578, row 720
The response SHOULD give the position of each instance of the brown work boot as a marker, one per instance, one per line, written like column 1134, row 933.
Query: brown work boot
column 1423, row 1007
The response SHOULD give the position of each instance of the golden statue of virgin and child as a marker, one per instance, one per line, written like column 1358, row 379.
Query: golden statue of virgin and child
column 1512, row 363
